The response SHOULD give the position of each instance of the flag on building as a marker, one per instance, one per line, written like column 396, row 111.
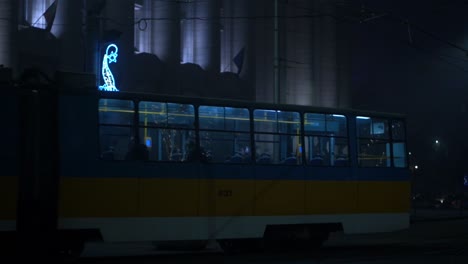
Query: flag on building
column 239, row 60
column 49, row 15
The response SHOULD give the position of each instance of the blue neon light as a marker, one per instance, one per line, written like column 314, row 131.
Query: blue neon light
column 109, row 57
column 148, row 142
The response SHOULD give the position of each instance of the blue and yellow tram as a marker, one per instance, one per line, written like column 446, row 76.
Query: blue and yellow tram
column 140, row 167
column 143, row 167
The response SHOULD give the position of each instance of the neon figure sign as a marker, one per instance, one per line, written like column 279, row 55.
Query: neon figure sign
column 109, row 57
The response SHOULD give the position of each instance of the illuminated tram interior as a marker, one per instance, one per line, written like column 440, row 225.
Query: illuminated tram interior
column 167, row 132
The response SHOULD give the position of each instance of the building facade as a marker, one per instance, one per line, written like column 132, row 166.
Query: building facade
column 294, row 52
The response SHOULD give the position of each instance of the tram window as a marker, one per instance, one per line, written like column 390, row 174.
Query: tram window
column 336, row 125
column 374, row 153
column 289, row 122
column 153, row 113
column 399, row 155
column 211, row 117
column 224, row 134
column 227, row 147
column 318, row 150
column 267, row 148
column 314, row 123
column 265, row 121
column 277, row 149
column 115, row 142
column 330, row 123
column 399, row 145
column 373, row 142
column 398, row 130
column 166, row 129
column 224, row 118
column 168, row 144
column 326, row 139
column 372, row 127
column 181, row 115
column 376, row 148
column 237, row 119
column 115, row 128
column 277, row 137
column 160, row 114
column 116, row 112
column 341, row 153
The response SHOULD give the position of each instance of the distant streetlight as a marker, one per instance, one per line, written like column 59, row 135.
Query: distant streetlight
column 416, row 167
column 436, row 145
column 409, row 153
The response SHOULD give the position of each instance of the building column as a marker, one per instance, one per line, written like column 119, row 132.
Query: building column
column 8, row 29
column 67, row 27
column 165, row 31
column 298, row 62
column 326, row 68
column 235, row 36
column 201, row 34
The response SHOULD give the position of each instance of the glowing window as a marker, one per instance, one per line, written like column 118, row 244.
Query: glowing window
column 224, row 118
column 159, row 114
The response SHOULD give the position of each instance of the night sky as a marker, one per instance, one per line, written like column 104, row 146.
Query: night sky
column 420, row 76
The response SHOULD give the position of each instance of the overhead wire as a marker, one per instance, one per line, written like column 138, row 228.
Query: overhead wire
column 401, row 20
column 441, row 57
column 414, row 26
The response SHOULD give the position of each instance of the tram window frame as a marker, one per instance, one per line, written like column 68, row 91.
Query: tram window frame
column 165, row 139
column 331, row 130
column 399, row 145
column 372, row 137
column 115, row 147
column 279, row 135
column 223, row 126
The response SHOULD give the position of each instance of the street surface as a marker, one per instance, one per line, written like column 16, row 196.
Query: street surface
column 442, row 239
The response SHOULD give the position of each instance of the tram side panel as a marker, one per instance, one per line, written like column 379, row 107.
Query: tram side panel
column 90, row 188
column 331, row 192
column 384, row 197
column 86, row 190
column 384, row 190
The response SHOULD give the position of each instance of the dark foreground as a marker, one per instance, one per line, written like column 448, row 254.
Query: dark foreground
column 441, row 241
column 432, row 240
